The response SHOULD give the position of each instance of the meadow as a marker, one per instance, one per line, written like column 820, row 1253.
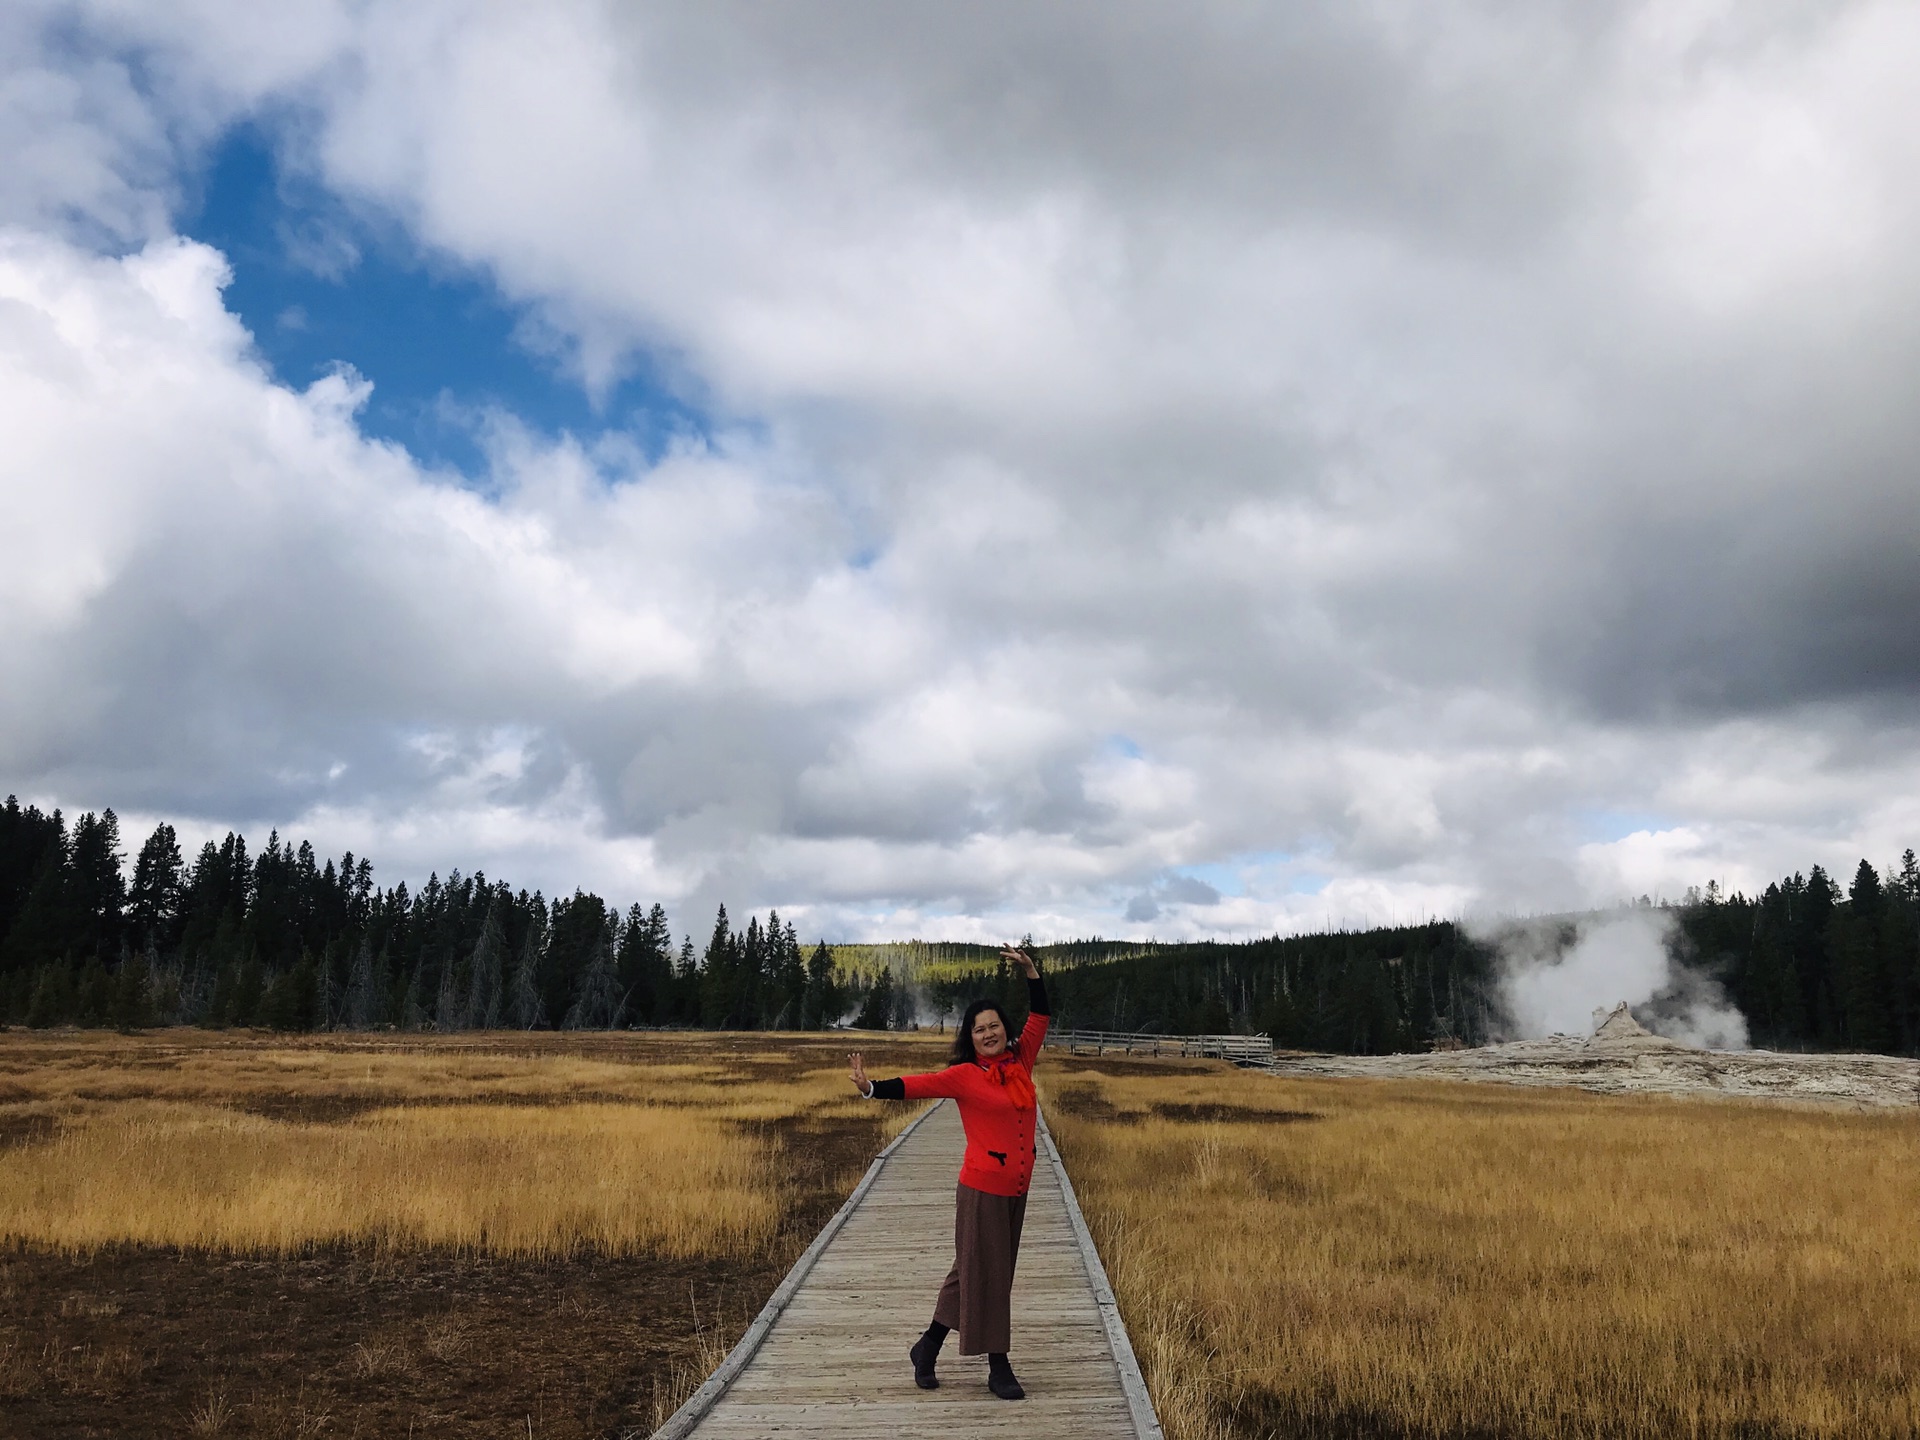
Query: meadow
column 1357, row 1258
column 227, row 1233
column 222, row 1233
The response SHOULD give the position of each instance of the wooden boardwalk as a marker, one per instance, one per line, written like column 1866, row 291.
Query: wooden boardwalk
column 830, row 1353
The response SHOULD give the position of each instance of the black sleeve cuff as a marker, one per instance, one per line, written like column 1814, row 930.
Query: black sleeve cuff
column 889, row 1090
column 1037, row 996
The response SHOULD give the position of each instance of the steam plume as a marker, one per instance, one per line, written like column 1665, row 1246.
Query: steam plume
column 1555, row 973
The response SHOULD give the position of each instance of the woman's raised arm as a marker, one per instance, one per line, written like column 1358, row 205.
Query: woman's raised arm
column 1039, row 1012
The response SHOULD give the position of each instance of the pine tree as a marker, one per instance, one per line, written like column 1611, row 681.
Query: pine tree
column 289, row 1000
column 1898, row 947
column 449, row 1013
column 489, row 961
column 597, row 1005
column 719, row 981
column 132, row 999
column 525, row 1008
column 1860, row 985
column 42, row 930
column 329, row 996
column 226, row 980
column 751, row 1012
column 575, row 930
column 364, row 1006
column 54, row 998
column 822, row 1006
column 877, row 1011
column 1813, row 904
column 95, row 1001
column 26, row 837
column 1773, row 998
column 97, row 894
column 413, row 1004
column 784, row 988
column 159, row 881
column 168, row 999
column 686, row 984
column 215, row 904
column 16, row 995
column 248, row 990
column 645, row 963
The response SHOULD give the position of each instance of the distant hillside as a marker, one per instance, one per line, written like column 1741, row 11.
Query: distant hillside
column 1366, row 992
column 918, row 961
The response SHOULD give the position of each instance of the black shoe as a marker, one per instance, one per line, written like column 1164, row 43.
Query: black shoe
column 923, row 1362
column 1001, row 1381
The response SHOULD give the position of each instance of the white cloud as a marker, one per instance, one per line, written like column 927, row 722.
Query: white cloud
column 1415, row 429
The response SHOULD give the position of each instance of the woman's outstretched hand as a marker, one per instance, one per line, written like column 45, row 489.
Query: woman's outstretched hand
column 857, row 1072
column 1021, row 958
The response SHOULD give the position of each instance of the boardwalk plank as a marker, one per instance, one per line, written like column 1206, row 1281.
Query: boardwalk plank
column 835, row 1362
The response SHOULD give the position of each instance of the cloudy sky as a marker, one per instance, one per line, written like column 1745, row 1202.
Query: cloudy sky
column 955, row 470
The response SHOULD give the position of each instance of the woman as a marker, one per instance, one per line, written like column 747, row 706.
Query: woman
column 992, row 1080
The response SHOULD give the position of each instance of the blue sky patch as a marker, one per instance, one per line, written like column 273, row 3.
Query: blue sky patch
column 319, row 283
column 1226, row 878
column 1607, row 826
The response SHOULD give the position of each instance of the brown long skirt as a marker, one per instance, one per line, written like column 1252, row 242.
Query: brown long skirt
column 977, row 1298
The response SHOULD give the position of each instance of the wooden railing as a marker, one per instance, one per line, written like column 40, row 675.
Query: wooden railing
column 1250, row 1049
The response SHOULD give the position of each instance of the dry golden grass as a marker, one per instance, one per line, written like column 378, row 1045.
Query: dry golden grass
column 513, row 1180
column 1370, row 1258
column 514, row 1146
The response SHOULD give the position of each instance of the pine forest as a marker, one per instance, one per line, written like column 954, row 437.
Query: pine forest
column 280, row 938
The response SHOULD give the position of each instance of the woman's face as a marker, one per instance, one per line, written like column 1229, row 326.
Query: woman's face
column 989, row 1034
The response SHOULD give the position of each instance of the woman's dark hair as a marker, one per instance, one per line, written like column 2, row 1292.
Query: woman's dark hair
column 963, row 1037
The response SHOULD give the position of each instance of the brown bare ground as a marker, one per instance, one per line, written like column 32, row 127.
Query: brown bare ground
column 1411, row 1260
column 375, row 1328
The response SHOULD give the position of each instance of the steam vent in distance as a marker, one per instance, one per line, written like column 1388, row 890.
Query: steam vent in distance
column 1622, row 1056
column 1618, row 1024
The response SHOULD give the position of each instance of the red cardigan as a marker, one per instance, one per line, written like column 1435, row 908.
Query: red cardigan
column 1000, row 1138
